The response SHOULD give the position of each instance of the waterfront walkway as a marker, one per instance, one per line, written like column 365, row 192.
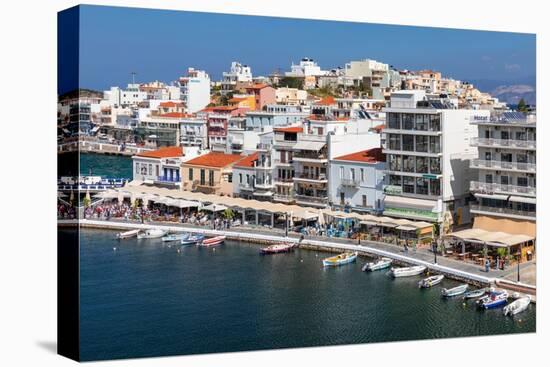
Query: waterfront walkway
column 448, row 266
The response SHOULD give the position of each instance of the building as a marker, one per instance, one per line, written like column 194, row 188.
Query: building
column 161, row 166
column 290, row 96
column 273, row 116
column 211, row 173
column 505, row 187
column 306, row 67
column 427, row 147
column 284, row 140
column 243, row 176
column 193, row 132
column 195, row 90
column 161, row 130
column 263, row 95
column 356, row 181
column 238, row 74
column 218, row 118
column 130, row 96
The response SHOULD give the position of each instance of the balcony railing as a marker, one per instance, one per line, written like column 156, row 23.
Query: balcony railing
column 282, row 197
column 508, row 211
column 309, row 176
column 168, row 179
column 246, row 187
column 502, row 165
column 279, row 161
column 504, row 143
column 309, row 155
column 284, row 180
column 509, row 189
column 353, row 182
column 311, row 199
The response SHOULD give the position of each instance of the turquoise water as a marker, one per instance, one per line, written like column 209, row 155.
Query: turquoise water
column 147, row 299
column 111, row 166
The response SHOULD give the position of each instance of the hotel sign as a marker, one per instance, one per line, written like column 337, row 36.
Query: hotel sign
column 479, row 118
column 393, row 190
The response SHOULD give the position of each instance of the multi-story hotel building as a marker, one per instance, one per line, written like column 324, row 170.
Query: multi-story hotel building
column 505, row 186
column 427, row 147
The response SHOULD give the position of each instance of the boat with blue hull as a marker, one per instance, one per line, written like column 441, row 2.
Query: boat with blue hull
column 493, row 300
column 175, row 237
column 192, row 239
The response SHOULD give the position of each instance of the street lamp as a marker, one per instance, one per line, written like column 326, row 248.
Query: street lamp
column 519, row 259
column 286, row 224
column 434, row 248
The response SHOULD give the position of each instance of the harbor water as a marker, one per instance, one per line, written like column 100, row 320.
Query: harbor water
column 143, row 298
column 107, row 166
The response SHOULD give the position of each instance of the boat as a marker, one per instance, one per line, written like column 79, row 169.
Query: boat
column 278, row 248
column 151, row 233
column 407, row 271
column 476, row 293
column 174, row 237
column 519, row 305
column 127, row 234
column 192, row 239
column 493, row 300
column 214, row 241
column 451, row 292
column 343, row 258
column 431, row 281
column 382, row 263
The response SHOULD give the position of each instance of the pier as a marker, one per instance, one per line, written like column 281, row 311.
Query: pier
column 93, row 146
column 450, row 268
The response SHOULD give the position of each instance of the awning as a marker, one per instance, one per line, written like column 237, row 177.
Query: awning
column 404, row 202
column 309, row 145
column 495, row 239
column 407, row 228
column 491, row 196
column 522, row 199
column 215, row 208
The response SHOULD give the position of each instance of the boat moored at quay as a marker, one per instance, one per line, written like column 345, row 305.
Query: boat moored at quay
column 127, row 234
column 407, row 271
column 151, row 233
column 210, row 242
column 383, row 263
column 277, row 248
column 430, row 281
column 192, row 239
column 493, row 300
column 342, row 259
column 455, row 291
column 519, row 305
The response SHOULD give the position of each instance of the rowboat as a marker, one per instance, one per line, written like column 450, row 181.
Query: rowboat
column 343, row 258
column 476, row 293
column 407, row 271
column 192, row 239
column 174, row 237
column 519, row 305
column 493, row 300
column 430, row 281
column 451, row 292
column 278, row 248
column 214, row 241
column 382, row 263
column 151, row 233
column 127, row 234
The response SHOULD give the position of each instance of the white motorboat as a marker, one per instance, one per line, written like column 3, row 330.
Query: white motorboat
column 451, row 292
column 476, row 293
column 430, row 281
column 407, row 271
column 519, row 305
column 175, row 237
column 151, row 233
column 383, row 263
column 127, row 234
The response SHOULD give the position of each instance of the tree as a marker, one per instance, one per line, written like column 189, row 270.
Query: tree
column 291, row 82
column 522, row 106
column 228, row 214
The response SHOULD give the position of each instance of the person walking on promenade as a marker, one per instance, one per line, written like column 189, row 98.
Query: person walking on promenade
column 487, row 265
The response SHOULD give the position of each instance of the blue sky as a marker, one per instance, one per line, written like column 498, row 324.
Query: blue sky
column 160, row 44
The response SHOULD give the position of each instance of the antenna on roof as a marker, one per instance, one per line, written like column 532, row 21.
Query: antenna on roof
column 133, row 77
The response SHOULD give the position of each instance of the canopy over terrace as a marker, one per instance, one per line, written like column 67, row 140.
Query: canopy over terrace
column 494, row 239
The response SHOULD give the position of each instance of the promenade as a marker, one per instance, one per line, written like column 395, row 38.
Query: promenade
column 448, row 266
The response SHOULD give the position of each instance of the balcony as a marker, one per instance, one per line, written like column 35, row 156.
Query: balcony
column 246, row 187
column 284, row 181
column 504, row 143
column 168, row 179
column 484, row 187
column 502, row 212
column 312, row 157
column 504, row 166
column 264, row 185
column 311, row 178
column 283, row 198
column 312, row 200
column 285, row 163
column 263, row 165
column 351, row 182
column 264, row 147
column 206, row 184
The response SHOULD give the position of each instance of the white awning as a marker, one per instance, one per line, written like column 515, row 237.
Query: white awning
column 491, row 196
column 406, row 228
column 215, row 208
column 522, row 199
column 403, row 202
column 309, row 145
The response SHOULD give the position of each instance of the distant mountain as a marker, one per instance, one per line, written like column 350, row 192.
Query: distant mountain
column 510, row 91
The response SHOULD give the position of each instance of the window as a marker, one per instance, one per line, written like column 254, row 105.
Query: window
column 408, row 143
column 505, row 180
column 422, row 165
column 421, row 186
column 394, row 120
column 422, row 122
column 364, row 200
column 408, row 163
column 203, row 174
column 421, row 143
column 395, row 162
column 210, row 178
column 395, row 180
column 150, row 169
column 157, row 170
column 362, row 175
column 523, row 181
column 137, row 167
column 229, row 177
column 408, row 184
column 504, row 135
column 435, row 166
column 435, row 144
column 489, row 179
column 506, row 157
column 395, row 141
column 521, row 158
column 408, row 121
column 435, row 187
column 487, row 156
column 342, row 198
column 352, row 173
column 341, row 172
column 435, row 123
column 241, row 177
column 521, row 135
column 190, row 174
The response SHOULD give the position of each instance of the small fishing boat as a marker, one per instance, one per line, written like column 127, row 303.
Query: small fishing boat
column 407, row 271
column 174, row 237
column 430, row 281
column 192, row 239
column 476, row 293
column 210, row 242
column 382, row 263
column 451, row 292
column 127, row 234
column 344, row 258
column 493, row 300
column 276, row 249
column 519, row 305
column 151, row 233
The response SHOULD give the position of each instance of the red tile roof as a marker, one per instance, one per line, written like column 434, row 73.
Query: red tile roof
column 165, row 152
column 171, row 104
column 372, row 155
column 257, row 86
column 215, row 159
column 290, row 129
column 175, row 115
column 327, row 101
column 379, row 128
column 248, row 161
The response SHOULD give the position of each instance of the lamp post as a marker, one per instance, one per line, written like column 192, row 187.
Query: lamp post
column 519, row 259
column 286, row 224
column 434, row 248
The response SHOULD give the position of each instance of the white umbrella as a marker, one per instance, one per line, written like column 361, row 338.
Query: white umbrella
column 215, row 208
column 321, row 219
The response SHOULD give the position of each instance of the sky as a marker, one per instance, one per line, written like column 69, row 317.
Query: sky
column 162, row 44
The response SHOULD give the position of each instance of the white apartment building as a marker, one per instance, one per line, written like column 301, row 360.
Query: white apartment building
column 356, row 181
column 290, row 96
column 505, row 163
column 130, row 96
column 193, row 132
column 195, row 90
column 306, row 67
column 275, row 116
column 427, row 146
column 238, row 73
